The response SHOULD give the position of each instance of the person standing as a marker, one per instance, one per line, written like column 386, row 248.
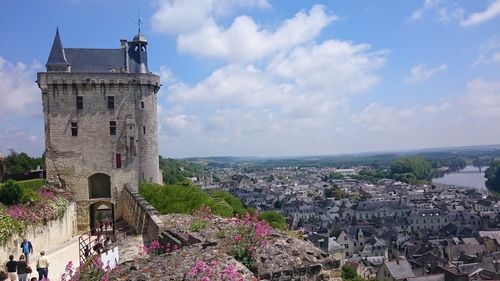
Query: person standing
column 11, row 268
column 27, row 249
column 22, row 265
column 42, row 266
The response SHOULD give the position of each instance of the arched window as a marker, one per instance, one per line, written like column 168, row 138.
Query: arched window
column 99, row 186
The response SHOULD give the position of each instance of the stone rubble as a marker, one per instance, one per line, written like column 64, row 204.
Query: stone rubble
column 284, row 258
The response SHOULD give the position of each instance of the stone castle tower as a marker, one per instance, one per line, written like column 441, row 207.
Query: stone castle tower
column 99, row 107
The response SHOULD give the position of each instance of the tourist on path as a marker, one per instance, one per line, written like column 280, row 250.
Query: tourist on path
column 27, row 249
column 42, row 266
column 22, row 265
column 12, row 268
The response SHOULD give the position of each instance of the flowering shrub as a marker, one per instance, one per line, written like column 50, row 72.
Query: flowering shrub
column 210, row 271
column 92, row 270
column 250, row 236
column 204, row 212
column 52, row 205
column 153, row 249
column 9, row 227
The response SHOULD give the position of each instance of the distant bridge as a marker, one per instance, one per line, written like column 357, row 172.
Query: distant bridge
column 469, row 172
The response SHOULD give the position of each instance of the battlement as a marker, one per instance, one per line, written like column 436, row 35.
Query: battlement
column 92, row 81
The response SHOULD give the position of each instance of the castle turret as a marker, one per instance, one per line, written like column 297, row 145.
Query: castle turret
column 138, row 55
column 57, row 58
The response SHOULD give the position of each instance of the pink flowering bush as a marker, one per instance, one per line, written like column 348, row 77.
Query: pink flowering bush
column 250, row 236
column 154, row 249
column 211, row 271
column 204, row 212
column 92, row 270
column 51, row 206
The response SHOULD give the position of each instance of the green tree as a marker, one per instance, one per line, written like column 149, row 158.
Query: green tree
column 336, row 176
column 492, row 175
column 11, row 193
column 349, row 274
column 233, row 201
column 275, row 219
column 411, row 169
column 176, row 171
column 21, row 162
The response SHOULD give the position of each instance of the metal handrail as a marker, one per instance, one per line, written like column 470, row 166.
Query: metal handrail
column 87, row 239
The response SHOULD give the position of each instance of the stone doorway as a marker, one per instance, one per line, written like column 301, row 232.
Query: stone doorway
column 100, row 212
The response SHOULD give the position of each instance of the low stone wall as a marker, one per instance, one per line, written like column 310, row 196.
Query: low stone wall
column 43, row 237
column 140, row 215
column 320, row 271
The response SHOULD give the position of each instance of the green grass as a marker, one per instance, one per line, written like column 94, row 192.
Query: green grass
column 33, row 184
column 186, row 198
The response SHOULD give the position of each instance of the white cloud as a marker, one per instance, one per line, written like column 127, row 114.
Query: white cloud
column 181, row 16
column 443, row 10
column 246, row 41
column 316, row 75
column 437, row 108
column 483, row 100
column 420, row 72
column 295, row 96
column 18, row 91
column 492, row 11
column 376, row 116
column 489, row 52
column 333, row 67
column 233, row 85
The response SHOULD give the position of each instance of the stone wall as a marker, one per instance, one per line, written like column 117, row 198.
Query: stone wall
column 43, row 237
column 140, row 215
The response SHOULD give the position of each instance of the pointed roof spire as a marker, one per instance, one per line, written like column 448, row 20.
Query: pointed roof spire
column 57, row 58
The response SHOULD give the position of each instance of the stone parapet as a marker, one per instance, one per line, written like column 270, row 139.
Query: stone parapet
column 140, row 215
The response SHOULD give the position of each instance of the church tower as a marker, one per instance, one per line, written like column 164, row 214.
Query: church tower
column 100, row 124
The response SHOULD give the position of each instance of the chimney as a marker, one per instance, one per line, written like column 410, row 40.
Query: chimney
column 123, row 43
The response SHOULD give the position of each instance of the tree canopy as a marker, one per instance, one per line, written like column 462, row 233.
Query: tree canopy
column 21, row 162
column 176, row 171
column 411, row 170
column 492, row 175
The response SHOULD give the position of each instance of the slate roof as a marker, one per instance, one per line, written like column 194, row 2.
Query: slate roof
column 435, row 277
column 374, row 205
column 82, row 60
column 494, row 235
column 57, row 52
column 400, row 269
column 469, row 268
column 452, row 230
column 470, row 250
column 95, row 60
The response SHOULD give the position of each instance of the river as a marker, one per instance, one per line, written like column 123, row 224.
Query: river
column 476, row 180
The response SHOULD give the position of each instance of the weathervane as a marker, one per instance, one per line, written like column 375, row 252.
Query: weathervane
column 139, row 22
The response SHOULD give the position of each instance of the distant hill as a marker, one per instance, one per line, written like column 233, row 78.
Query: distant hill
column 446, row 154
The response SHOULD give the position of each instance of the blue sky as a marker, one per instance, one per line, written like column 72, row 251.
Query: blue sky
column 277, row 78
